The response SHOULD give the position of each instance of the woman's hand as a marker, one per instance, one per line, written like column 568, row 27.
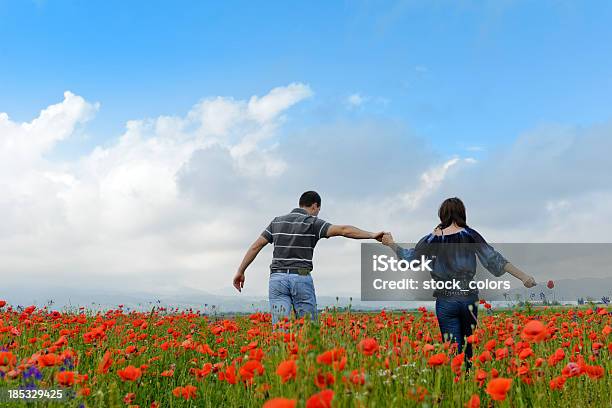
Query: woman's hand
column 529, row 281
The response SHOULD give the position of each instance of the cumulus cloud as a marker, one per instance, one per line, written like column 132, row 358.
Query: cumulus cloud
column 175, row 200
column 430, row 181
column 271, row 105
column 116, row 211
column 24, row 143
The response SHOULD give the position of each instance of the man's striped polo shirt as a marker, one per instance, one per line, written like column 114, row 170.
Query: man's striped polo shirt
column 294, row 236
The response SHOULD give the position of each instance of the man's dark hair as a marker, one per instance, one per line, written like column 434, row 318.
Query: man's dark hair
column 309, row 198
column 452, row 210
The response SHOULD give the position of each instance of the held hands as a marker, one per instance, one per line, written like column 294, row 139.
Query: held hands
column 384, row 237
column 239, row 281
column 387, row 239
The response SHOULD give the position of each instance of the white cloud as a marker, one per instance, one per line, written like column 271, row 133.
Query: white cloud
column 355, row 100
column 430, row 181
column 24, row 143
column 114, row 212
column 271, row 105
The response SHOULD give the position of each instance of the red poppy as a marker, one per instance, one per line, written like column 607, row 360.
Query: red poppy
column 473, row 402
column 534, row 330
column 256, row 354
column 457, row 362
column 324, row 380
column 330, row 356
column 417, row 393
column 571, row 370
column 7, row 359
column 485, row 356
column 130, row 373
column 129, row 397
column 339, row 365
column 287, row 370
column 201, row 372
column 526, row 352
column 105, row 364
column 437, row 359
column 594, row 372
column 65, row 378
column 480, row 378
column 322, row 399
column 357, row 377
column 48, row 360
column 501, row 353
column 427, row 348
column 523, row 370
column 556, row 357
column 368, row 346
column 228, row 375
column 497, row 388
column 250, row 369
column 280, row 403
column 550, row 284
column 490, row 345
column 557, row 383
column 473, row 339
column 187, row 392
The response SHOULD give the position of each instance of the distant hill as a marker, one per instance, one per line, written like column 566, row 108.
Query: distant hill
column 567, row 290
column 62, row 297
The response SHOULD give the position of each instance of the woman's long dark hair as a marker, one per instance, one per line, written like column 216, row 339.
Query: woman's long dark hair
column 452, row 210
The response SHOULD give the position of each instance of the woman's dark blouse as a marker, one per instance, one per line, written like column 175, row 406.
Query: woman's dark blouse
column 456, row 258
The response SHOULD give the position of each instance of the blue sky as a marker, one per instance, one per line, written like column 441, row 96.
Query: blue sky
column 458, row 73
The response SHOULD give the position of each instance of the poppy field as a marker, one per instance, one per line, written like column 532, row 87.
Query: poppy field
column 523, row 357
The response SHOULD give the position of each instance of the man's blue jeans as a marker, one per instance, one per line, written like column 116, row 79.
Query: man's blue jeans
column 289, row 292
column 457, row 322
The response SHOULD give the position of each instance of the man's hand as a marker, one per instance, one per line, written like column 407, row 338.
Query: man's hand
column 378, row 236
column 387, row 239
column 239, row 281
column 529, row 281
column 250, row 255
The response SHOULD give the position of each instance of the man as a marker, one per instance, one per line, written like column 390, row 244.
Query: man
column 294, row 236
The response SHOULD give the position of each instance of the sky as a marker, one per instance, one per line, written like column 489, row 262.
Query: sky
column 146, row 144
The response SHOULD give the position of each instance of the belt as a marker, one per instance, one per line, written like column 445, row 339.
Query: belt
column 456, row 293
column 298, row 271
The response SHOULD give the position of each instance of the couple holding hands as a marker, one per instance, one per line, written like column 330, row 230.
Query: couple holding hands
column 295, row 235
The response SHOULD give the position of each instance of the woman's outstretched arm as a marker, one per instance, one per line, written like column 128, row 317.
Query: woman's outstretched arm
column 495, row 262
column 528, row 281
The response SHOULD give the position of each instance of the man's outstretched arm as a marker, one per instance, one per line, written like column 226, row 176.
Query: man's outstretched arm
column 349, row 231
column 249, row 257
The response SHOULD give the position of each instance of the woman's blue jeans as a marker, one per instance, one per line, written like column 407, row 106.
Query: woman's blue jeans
column 457, row 322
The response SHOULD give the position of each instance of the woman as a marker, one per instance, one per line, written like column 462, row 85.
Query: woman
column 456, row 260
